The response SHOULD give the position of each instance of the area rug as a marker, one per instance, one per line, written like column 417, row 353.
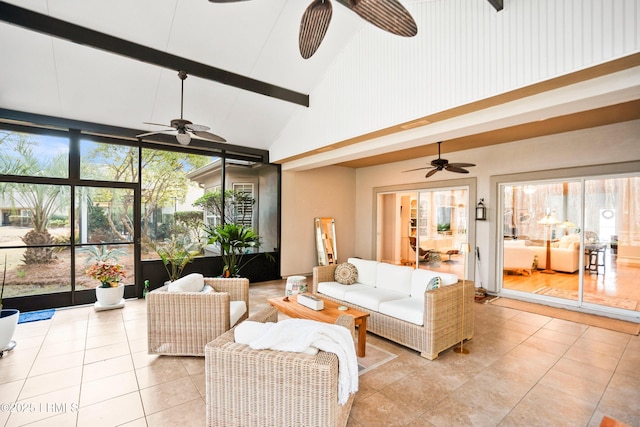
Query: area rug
column 375, row 357
column 571, row 316
column 625, row 303
column 34, row 316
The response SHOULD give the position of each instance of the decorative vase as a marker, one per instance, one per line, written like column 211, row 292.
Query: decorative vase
column 8, row 323
column 109, row 298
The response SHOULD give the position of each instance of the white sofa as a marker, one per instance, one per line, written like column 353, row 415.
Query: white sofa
column 518, row 257
column 565, row 254
column 400, row 307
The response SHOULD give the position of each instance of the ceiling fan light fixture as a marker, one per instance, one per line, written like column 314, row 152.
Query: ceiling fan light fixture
column 183, row 137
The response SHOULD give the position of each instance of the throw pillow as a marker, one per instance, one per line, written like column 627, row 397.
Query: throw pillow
column 346, row 273
column 434, row 283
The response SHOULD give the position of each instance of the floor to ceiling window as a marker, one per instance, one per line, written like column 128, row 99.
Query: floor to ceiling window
column 71, row 198
column 572, row 241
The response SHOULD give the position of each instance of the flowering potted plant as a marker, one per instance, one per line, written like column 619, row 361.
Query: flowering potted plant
column 110, row 293
column 109, row 274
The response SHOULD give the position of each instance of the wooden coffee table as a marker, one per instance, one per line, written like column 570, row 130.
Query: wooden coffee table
column 329, row 314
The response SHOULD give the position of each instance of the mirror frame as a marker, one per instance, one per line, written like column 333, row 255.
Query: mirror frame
column 325, row 231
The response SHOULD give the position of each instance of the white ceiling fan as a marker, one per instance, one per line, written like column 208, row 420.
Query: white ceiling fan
column 184, row 128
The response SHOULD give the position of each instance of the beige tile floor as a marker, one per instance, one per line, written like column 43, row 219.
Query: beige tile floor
column 91, row 369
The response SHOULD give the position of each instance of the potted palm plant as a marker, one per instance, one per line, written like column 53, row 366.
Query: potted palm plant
column 175, row 256
column 235, row 241
column 8, row 319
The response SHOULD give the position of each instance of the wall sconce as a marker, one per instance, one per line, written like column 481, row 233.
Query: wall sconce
column 481, row 211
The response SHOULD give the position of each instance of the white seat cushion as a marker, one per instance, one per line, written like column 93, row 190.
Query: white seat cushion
column 338, row 290
column 407, row 309
column 193, row 282
column 371, row 298
column 236, row 310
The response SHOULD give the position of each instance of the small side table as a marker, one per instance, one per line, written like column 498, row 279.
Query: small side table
column 596, row 253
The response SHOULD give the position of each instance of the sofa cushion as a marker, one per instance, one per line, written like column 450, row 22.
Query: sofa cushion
column 394, row 278
column 371, row 298
column 193, row 282
column 338, row 290
column 367, row 270
column 236, row 310
column 346, row 273
column 421, row 277
column 407, row 309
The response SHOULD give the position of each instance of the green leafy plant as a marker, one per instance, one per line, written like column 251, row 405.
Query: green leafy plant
column 102, row 254
column 109, row 274
column 175, row 256
column 235, row 241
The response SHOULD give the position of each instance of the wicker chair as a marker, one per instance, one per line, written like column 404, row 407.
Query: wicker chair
column 247, row 387
column 182, row 323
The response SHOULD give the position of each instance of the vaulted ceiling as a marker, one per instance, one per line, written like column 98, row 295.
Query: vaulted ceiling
column 115, row 63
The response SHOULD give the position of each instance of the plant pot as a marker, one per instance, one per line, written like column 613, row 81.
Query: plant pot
column 8, row 323
column 109, row 298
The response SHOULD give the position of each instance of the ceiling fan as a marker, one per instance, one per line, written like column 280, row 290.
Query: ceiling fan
column 389, row 15
column 440, row 164
column 182, row 126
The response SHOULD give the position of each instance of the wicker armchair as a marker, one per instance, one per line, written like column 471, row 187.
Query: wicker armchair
column 247, row 387
column 182, row 323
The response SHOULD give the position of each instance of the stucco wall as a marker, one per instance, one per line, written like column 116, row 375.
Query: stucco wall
column 323, row 192
column 596, row 146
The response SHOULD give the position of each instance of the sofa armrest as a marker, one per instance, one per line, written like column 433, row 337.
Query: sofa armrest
column 443, row 316
column 323, row 273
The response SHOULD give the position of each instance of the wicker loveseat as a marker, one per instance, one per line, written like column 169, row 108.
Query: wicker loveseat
column 246, row 387
column 436, row 315
column 182, row 323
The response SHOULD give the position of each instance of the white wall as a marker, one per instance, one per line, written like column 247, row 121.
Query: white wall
column 606, row 144
column 464, row 51
column 323, row 192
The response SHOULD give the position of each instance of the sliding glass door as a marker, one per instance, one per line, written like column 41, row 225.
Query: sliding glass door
column 425, row 228
column 561, row 241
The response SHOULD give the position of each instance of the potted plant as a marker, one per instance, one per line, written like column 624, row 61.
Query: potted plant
column 235, row 241
column 8, row 319
column 175, row 256
column 110, row 293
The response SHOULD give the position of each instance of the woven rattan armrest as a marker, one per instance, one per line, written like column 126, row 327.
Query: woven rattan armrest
column 323, row 273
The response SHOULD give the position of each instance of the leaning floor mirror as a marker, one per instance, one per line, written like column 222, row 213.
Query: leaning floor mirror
column 326, row 241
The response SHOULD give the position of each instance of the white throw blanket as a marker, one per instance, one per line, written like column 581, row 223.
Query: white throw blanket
column 305, row 336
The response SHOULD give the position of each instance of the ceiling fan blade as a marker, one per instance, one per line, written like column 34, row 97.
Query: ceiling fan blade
column 389, row 15
column 196, row 128
column 142, row 135
column 431, row 172
column 209, row 136
column 461, row 165
column 313, row 27
column 419, row 169
column 156, row 124
column 452, row 168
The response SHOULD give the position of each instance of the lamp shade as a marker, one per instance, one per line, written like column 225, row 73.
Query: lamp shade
column 549, row 219
column 465, row 248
